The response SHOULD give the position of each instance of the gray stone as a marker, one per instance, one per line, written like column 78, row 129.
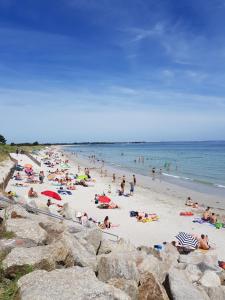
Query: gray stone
column 93, row 236
column 210, row 279
column 121, row 245
column 128, row 286
column 193, row 273
column 151, row 264
column 27, row 229
column 117, row 265
column 67, row 284
column 181, row 288
column 82, row 257
column 216, row 293
column 41, row 257
column 151, row 289
column 20, row 211
column 195, row 258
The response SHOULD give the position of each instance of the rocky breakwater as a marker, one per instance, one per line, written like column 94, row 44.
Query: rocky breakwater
column 48, row 259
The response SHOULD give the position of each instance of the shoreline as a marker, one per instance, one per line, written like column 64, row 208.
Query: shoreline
column 167, row 204
column 161, row 185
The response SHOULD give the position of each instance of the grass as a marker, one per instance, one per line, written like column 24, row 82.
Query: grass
column 9, row 288
column 7, row 235
column 6, row 149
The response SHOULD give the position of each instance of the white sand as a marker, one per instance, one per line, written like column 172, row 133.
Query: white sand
column 163, row 199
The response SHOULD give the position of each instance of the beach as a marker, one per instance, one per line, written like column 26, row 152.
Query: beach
column 156, row 197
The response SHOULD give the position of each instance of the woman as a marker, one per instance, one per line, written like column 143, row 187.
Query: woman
column 32, row 193
column 204, row 242
column 41, row 177
column 106, row 222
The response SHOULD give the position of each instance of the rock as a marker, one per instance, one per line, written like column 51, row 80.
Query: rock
column 41, row 257
column 216, row 293
column 210, row 279
column 82, row 257
column 117, row 265
column 15, row 209
column 128, row 286
column 222, row 277
column 151, row 264
column 181, row 288
column 93, row 236
column 121, row 245
column 67, row 284
column 75, row 228
column 193, row 273
column 151, row 289
column 27, row 229
column 195, row 258
column 53, row 229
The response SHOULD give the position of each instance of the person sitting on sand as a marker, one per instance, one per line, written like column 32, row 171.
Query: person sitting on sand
column 84, row 219
column 32, row 193
column 106, row 222
column 213, row 218
column 204, row 242
column 18, row 176
column 49, row 203
column 189, row 202
column 206, row 214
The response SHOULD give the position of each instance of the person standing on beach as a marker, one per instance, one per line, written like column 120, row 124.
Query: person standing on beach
column 114, row 178
column 131, row 188
column 153, row 173
column 134, row 180
column 78, row 168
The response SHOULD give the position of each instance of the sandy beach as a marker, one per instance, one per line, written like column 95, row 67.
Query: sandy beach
column 164, row 199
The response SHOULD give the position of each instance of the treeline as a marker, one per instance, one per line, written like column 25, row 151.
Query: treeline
column 75, row 143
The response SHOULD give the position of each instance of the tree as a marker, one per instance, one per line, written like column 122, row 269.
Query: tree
column 2, row 140
column 35, row 143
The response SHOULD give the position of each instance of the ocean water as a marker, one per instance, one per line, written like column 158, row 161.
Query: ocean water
column 202, row 163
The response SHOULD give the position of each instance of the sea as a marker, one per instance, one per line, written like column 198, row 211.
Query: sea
column 198, row 165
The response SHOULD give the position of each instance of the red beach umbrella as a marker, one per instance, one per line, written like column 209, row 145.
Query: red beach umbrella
column 51, row 194
column 104, row 199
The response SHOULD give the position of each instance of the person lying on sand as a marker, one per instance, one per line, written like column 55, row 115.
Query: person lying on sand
column 203, row 242
column 32, row 193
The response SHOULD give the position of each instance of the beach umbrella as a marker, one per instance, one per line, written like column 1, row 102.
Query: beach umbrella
column 187, row 240
column 104, row 199
column 28, row 166
column 51, row 194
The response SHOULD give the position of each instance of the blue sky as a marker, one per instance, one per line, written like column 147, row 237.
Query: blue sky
column 101, row 70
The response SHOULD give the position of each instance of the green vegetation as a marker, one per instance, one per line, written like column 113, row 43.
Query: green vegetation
column 6, row 149
column 2, row 139
column 7, row 235
column 8, row 287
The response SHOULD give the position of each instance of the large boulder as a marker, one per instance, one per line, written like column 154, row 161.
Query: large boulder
column 195, row 258
column 151, row 289
column 121, row 245
column 151, row 264
column 93, row 236
column 181, row 288
column 67, row 284
column 193, row 273
column 210, row 279
column 117, row 265
column 53, row 228
column 27, row 229
column 128, row 286
column 216, row 293
column 13, row 211
column 82, row 256
column 41, row 257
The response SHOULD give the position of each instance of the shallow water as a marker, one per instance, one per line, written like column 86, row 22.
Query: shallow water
column 201, row 164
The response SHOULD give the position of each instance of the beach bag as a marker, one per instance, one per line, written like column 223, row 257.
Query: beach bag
column 133, row 213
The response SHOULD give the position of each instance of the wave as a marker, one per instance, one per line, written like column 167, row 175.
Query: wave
column 201, row 181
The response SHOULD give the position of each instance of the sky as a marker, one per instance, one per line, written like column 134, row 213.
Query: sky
column 112, row 70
